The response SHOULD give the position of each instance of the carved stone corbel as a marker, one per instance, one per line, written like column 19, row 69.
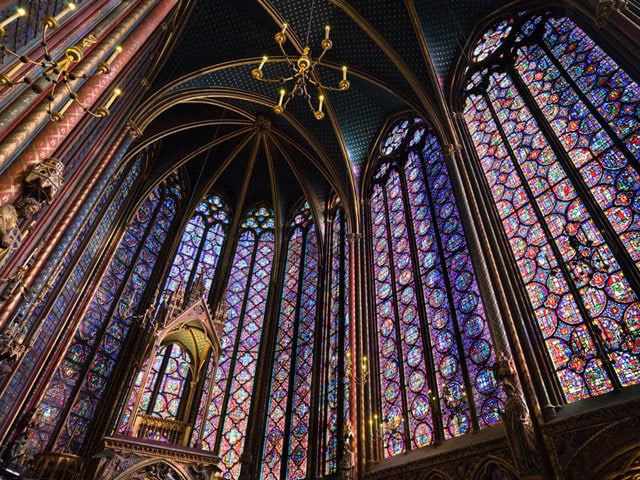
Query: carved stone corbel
column 43, row 181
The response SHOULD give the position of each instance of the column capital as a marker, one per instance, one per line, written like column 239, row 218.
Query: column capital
column 450, row 149
column 604, row 8
column 133, row 129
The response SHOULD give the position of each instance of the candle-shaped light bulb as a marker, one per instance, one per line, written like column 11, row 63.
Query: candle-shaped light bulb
column 321, row 98
column 264, row 60
column 326, row 32
column 344, row 72
column 116, row 92
column 113, row 56
column 66, row 106
column 70, row 7
column 11, row 73
column 282, row 92
column 20, row 12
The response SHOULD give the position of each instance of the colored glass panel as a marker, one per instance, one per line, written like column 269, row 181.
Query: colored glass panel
column 561, row 171
column 435, row 349
column 172, row 383
column 200, row 246
column 104, row 203
column 287, row 436
column 335, row 386
column 245, row 300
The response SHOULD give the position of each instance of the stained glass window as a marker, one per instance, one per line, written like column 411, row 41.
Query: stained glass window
column 287, row 431
column 245, row 299
column 200, row 246
column 557, row 130
column 335, row 393
column 435, row 350
column 165, row 387
column 105, row 201
column 70, row 400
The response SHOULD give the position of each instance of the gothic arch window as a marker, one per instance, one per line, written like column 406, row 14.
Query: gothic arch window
column 434, row 347
column 200, row 246
column 334, row 384
column 245, row 300
column 78, row 382
column 556, row 124
column 286, row 447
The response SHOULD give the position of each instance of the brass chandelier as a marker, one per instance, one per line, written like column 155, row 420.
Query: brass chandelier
column 303, row 74
column 57, row 72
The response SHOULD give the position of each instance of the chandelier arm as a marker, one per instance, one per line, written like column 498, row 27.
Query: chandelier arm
column 19, row 57
column 331, row 89
column 320, row 57
column 289, row 97
column 306, row 93
column 275, row 80
column 310, row 104
column 284, row 54
column 45, row 45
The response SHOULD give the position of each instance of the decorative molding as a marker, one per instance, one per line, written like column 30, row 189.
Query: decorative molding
column 262, row 125
column 126, row 455
column 457, row 463
column 604, row 8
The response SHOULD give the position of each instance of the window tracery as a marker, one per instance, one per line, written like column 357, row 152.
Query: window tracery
column 555, row 122
column 334, row 384
column 285, row 453
column 245, row 300
column 434, row 348
column 71, row 399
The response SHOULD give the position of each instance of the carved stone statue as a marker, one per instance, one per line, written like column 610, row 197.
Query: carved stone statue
column 19, row 451
column 516, row 419
column 10, row 216
column 347, row 463
column 10, row 236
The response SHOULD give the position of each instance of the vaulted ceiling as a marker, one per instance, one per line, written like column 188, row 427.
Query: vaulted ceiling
column 206, row 112
column 399, row 56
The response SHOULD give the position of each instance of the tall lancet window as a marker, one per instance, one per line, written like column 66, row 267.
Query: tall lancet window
column 200, row 246
column 286, row 444
column 434, row 344
column 72, row 396
column 555, row 122
column 335, row 392
column 245, row 300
